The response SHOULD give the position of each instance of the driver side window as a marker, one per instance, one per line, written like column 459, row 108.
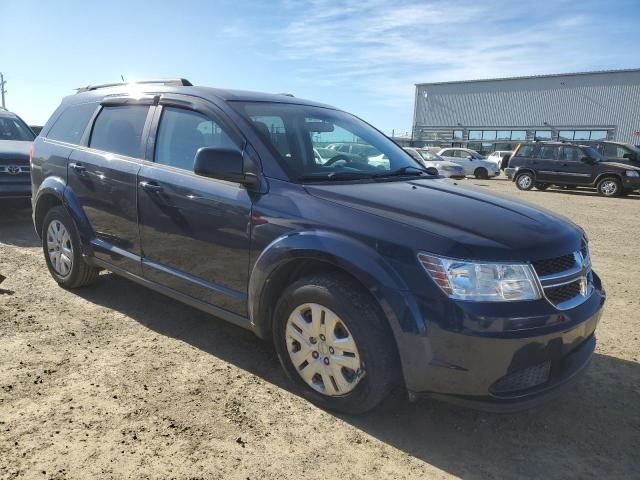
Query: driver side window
column 182, row 132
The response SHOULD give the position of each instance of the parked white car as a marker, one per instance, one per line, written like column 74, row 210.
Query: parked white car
column 472, row 162
column 430, row 159
column 496, row 157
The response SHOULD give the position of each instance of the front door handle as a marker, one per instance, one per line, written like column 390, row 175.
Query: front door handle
column 78, row 167
column 151, row 187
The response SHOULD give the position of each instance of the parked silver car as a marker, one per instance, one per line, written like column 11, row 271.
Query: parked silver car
column 430, row 159
column 472, row 162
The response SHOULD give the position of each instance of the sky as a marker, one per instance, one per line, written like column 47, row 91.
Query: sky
column 364, row 56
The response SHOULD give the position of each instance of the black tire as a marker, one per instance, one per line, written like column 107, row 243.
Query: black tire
column 81, row 273
column 366, row 324
column 610, row 187
column 541, row 186
column 481, row 173
column 524, row 181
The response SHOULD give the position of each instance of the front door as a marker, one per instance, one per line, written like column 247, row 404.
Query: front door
column 194, row 230
column 572, row 169
column 103, row 177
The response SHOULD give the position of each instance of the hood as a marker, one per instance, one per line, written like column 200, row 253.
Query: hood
column 13, row 150
column 444, row 163
column 462, row 222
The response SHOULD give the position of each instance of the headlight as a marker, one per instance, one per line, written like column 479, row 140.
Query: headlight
column 632, row 173
column 481, row 282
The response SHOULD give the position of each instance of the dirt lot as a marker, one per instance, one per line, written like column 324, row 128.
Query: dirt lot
column 115, row 381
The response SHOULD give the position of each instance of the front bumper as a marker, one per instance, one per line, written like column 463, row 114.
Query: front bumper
column 499, row 357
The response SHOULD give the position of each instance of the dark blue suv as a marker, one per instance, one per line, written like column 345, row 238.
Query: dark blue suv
column 367, row 272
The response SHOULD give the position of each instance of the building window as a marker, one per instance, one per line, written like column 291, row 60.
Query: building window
column 475, row 134
column 598, row 135
column 488, row 134
column 504, row 135
column 543, row 135
column 518, row 135
column 458, row 134
column 581, row 135
column 565, row 134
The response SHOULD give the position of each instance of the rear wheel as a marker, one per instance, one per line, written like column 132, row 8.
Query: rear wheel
column 542, row 186
column 62, row 251
column 334, row 342
column 481, row 173
column 524, row 181
column 609, row 187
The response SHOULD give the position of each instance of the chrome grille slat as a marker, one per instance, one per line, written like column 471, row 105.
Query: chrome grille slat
column 568, row 287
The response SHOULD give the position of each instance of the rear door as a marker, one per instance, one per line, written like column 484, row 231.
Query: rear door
column 194, row 230
column 571, row 167
column 103, row 177
column 545, row 163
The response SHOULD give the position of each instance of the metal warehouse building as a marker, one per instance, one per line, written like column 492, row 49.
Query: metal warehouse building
column 496, row 114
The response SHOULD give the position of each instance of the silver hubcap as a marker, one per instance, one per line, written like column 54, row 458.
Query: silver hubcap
column 609, row 187
column 60, row 248
column 525, row 181
column 323, row 350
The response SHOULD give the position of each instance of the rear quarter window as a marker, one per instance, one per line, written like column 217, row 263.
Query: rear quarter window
column 72, row 123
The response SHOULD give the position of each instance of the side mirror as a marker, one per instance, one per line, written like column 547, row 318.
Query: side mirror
column 628, row 156
column 470, row 157
column 431, row 170
column 587, row 159
column 223, row 164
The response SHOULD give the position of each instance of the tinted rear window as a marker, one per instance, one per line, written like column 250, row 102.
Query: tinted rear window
column 70, row 126
column 119, row 130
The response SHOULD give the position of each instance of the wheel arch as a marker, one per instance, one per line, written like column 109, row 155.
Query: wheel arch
column 54, row 192
column 293, row 256
column 604, row 175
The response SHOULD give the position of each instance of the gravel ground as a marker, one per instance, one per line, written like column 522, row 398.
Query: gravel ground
column 115, row 381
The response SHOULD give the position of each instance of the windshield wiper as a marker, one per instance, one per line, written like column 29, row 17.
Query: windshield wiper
column 408, row 170
column 335, row 176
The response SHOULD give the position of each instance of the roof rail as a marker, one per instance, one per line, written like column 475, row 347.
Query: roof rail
column 176, row 82
column 3, row 108
column 287, row 94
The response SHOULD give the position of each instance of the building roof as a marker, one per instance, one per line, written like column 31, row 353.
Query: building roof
column 596, row 72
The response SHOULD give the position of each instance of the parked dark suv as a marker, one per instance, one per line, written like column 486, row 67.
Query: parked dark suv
column 542, row 164
column 366, row 276
column 15, row 143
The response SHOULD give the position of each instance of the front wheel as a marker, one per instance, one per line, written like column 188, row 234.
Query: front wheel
column 481, row 173
column 609, row 187
column 62, row 252
column 524, row 181
column 335, row 344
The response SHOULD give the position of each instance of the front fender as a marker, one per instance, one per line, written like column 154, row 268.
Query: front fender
column 348, row 254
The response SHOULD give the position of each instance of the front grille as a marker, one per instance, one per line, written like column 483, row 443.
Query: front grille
column 555, row 265
column 564, row 292
column 523, row 379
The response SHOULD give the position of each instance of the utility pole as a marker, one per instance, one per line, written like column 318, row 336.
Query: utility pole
column 2, row 90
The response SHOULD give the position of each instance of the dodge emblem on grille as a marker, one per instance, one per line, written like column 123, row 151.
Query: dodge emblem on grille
column 13, row 169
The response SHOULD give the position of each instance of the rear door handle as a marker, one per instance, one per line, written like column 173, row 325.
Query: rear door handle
column 151, row 187
column 78, row 167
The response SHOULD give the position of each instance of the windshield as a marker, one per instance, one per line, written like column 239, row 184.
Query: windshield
column 314, row 143
column 14, row 129
column 430, row 156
